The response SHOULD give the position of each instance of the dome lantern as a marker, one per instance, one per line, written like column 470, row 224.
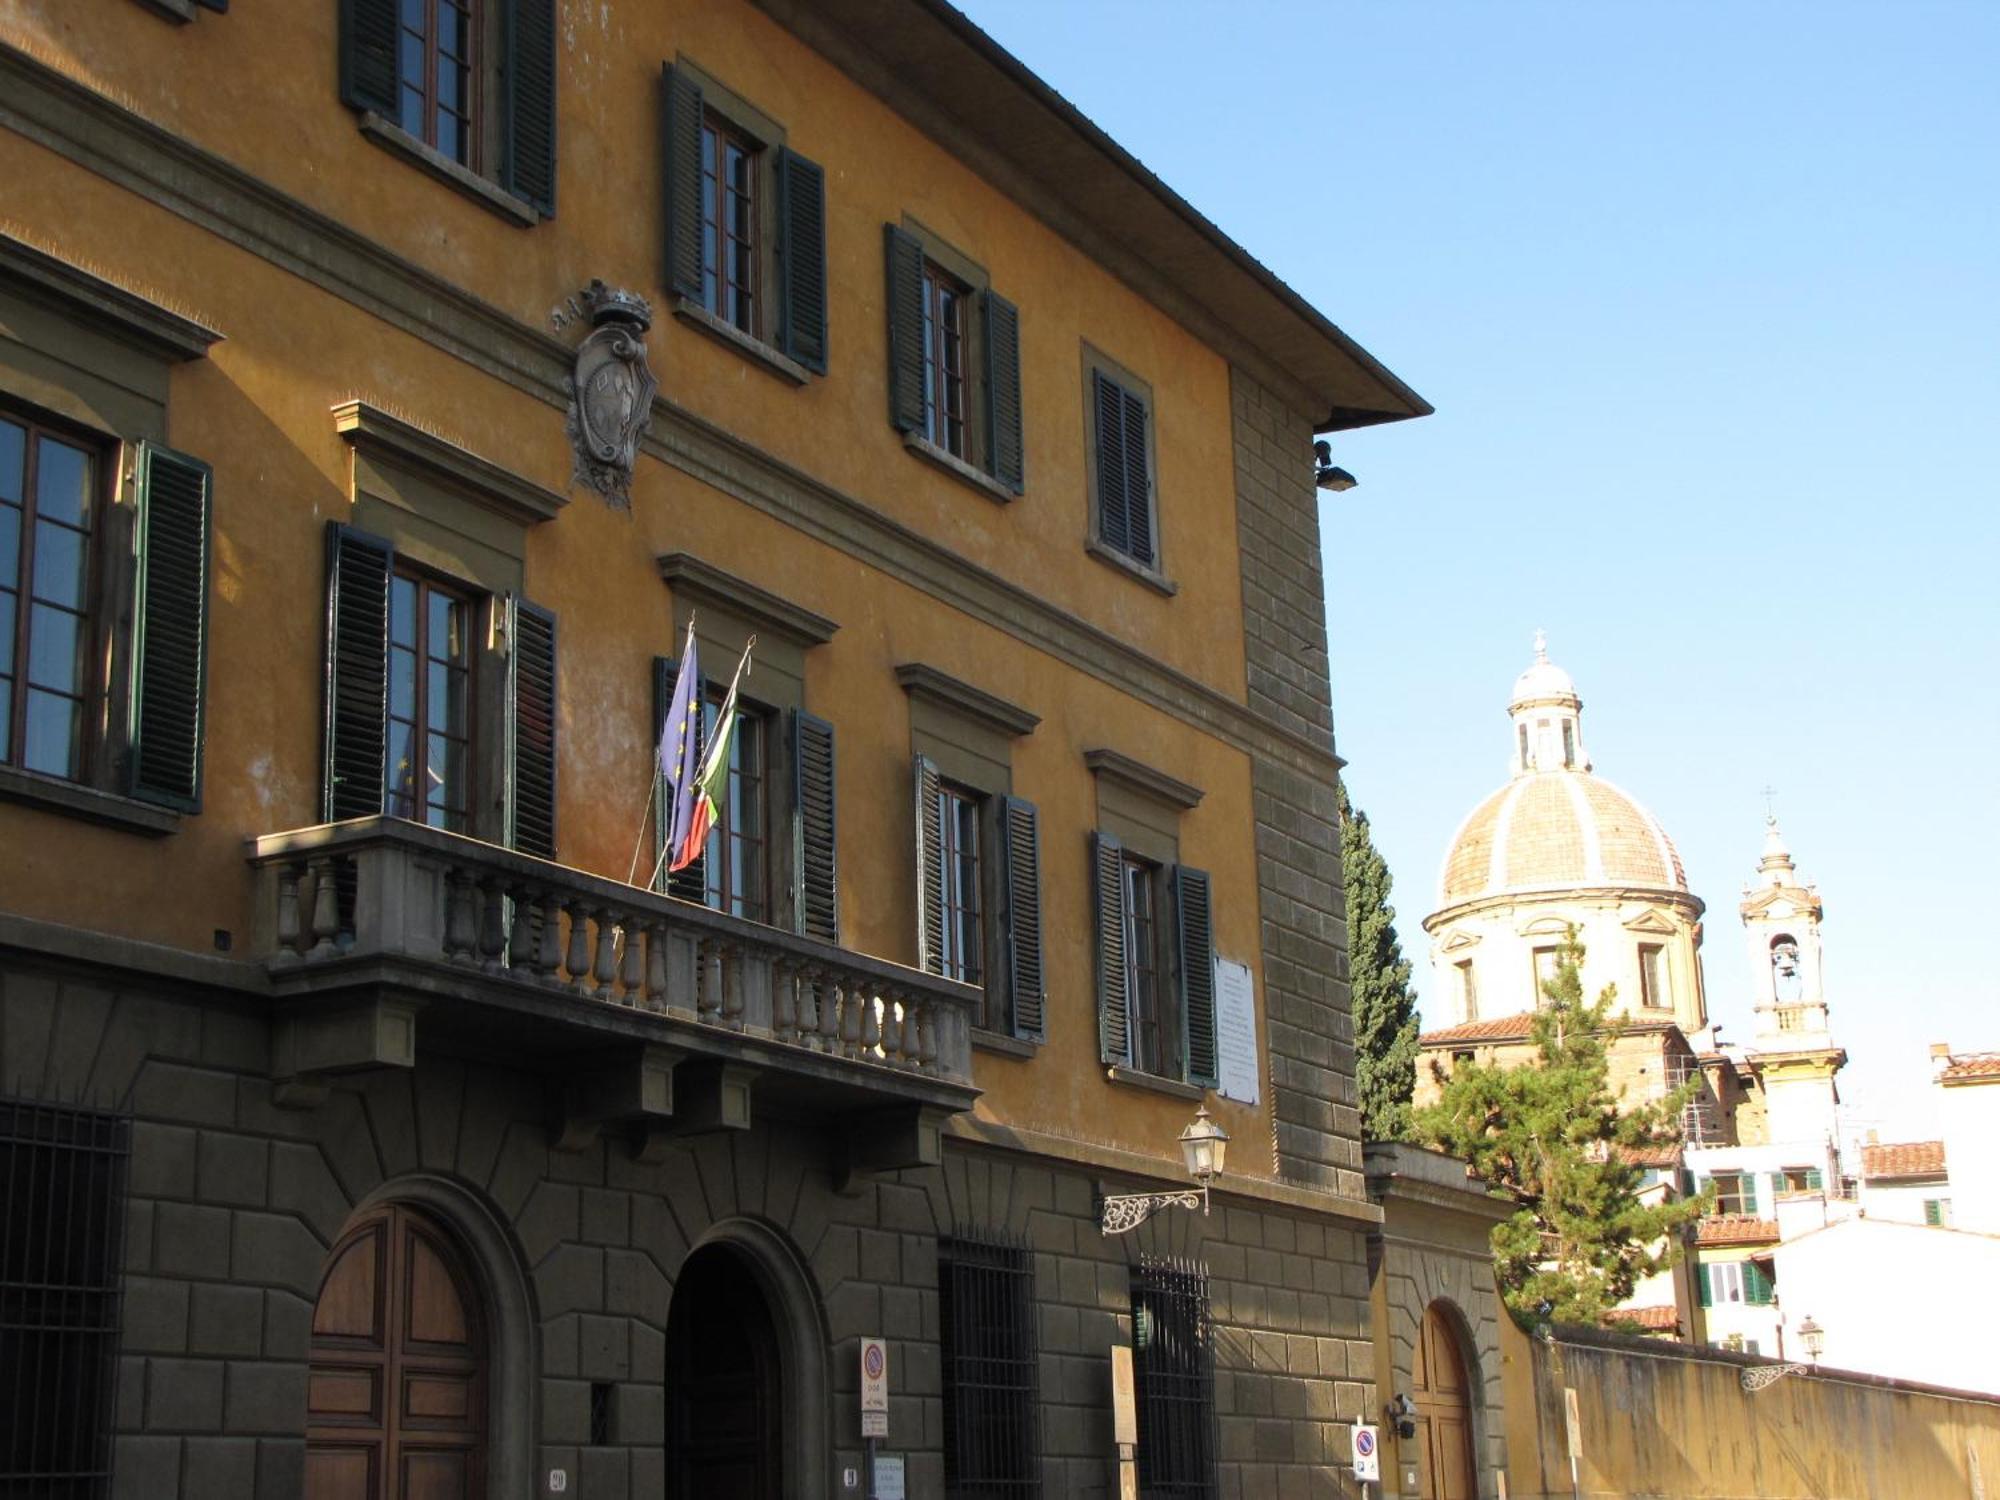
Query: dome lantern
column 1548, row 717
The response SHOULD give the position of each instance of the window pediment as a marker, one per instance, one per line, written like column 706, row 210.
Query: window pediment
column 396, row 443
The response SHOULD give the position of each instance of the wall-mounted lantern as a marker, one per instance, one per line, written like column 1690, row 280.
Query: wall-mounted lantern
column 1203, row 1144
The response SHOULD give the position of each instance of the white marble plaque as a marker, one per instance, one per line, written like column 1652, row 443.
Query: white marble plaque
column 1236, row 1030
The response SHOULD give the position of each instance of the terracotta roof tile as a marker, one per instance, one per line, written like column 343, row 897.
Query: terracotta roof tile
column 1736, row 1229
column 1904, row 1159
column 1660, row 1319
column 1971, row 1065
column 1496, row 1029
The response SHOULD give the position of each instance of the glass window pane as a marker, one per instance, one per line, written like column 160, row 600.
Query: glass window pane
column 412, row 62
column 447, row 133
column 6, row 717
column 450, row 29
column 412, row 118
column 62, row 482
column 413, row 15
column 13, row 460
column 55, row 649
column 402, row 683
column 447, row 94
column 437, row 707
column 55, row 730
column 445, row 774
column 9, row 604
column 59, row 563
column 403, row 611
column 10, row 545
column 400, row 796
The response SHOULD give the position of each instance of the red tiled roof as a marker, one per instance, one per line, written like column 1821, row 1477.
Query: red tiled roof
column 1971, row 1065
column 1904, row 1159
column 1650, row 1156
column 1498, row 1029
column 1654, row 1319
column 1736, row 1229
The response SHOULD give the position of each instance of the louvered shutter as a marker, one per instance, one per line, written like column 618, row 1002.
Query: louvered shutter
column 691, row 882
column 802, row 260
column 1124, row 488
column 368, row 40
column 1003, row 391
column 1749, row 1181
column 1703, row 1287
column 170, row 628
column 813, row 803
column 1194, row 940
column 357, row 673
column 680, row 155
column 1934, row 1211
column 528, row 84
column 1138, row 486
column 930, row 868
column 1814, row 1182
column 531, row 729
column 1777, row 1189
column 905, row 258
column 1756, row 1284
column 1021, row 916
column 1114, row 1026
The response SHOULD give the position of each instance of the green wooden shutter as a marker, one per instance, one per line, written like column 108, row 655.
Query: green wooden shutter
column 368, row 40
column 1003, row 391
column 802, row 260
column 904, row 255
column 170, row 628
column 1194, row 948
column 813, row 804
column 680, row 156
column 357, row 673
column 1021, row 916
column 530, row 793
column 1124, row 489
column 1777, row 1188
column 1114, row 1022
column 1756, row 1284
column 528, row 85
column 1933, row 1211
column 1749, row 1182
column 930, row 868
column 1138, row 485
column 1703, row 1285
column 689, row 883
column 1814, row 1182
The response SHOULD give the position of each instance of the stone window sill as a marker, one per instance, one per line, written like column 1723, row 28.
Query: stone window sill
column 958, row 468
column 488, row 195
column 1111, row 556
column 753, row 349
column 75, row 800
column 999, row 1041
column 1169, row 1086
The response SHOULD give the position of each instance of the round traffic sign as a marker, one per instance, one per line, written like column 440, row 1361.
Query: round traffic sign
column 1364, row 1443
column 872, row 1360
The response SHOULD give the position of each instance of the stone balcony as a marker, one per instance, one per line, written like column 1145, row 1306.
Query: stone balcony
column 645, row 1014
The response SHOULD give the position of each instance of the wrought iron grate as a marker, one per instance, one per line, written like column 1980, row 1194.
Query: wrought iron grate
column 62, row 1235
column 987, row 1326
column 1173, row 1368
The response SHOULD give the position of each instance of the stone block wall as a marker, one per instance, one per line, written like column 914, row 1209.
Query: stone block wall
column 1316, row 1119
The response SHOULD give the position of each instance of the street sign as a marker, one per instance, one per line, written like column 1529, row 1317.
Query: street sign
column 889, row 1477
column 1124, row 1403
column 1367, row 1453
column 874, row 1388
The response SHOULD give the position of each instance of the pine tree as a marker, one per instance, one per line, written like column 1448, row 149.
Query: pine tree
column 1385, row 1007
column 1550, row 1133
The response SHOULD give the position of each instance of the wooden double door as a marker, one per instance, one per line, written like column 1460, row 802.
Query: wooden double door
column 396, row 1402
column 724, row 1387
column 1443, row 1398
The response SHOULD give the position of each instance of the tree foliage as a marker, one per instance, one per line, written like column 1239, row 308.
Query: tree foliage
column 1385, row 1007
column 1551, row 1134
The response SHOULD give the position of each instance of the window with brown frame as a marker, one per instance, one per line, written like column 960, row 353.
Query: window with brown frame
column 729, row 209
column 437, row 66
column 430, row 703
column 51, row 497
column 736, row 862
column 945, row 402
column 1153, row 1032
column 963, row 952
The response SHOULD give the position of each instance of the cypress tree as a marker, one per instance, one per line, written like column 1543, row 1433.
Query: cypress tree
column 1385, row 1007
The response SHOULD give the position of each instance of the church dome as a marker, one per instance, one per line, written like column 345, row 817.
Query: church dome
column 1555, row 825
column 1553, row 830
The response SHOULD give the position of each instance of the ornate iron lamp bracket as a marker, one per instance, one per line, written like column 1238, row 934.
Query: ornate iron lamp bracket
column 1121, row 1213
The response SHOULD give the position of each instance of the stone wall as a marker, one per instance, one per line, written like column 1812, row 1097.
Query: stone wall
column 235, row 1203
column 1315, row 1118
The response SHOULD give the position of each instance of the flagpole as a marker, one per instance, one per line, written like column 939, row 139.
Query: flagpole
column 653, row 783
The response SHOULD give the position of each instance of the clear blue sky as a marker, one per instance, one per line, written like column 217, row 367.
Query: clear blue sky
column 1707, row 297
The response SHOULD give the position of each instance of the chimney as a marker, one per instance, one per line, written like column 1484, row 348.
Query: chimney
column 1940, row 1058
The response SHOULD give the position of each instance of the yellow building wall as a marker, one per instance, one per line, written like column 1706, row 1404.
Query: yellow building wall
column 258, row 408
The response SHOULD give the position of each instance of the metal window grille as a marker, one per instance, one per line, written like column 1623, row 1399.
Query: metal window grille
column 987, row 1329
column 62, row 1236
column 1173, row 1367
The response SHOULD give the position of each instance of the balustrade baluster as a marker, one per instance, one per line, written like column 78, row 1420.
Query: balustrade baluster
column 492, row 924
column 730, row 961
column 631, row 966
column 784, row 1006
column 326, row 908
column 576, row 963
column 521, row 941
column 656, row 964
column 911, row 1046
column 290, row 932
column 548, row 952
column 859, row 1029
column 607, row 954
column 927, row 1049
column 826, row 1008
column 458, row 924
column 707, row 1000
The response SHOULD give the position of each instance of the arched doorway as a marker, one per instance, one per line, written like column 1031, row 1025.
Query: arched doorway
column 725, row 1396
column 1443, row 1397
column 397, row 1400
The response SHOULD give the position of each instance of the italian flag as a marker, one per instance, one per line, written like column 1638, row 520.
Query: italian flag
column 711, row 783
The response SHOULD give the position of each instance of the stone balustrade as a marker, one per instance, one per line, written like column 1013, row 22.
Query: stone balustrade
column 384, row 889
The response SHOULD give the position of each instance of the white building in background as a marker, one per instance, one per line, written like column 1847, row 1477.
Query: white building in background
column 1906, row 1182
column 1969, row 1104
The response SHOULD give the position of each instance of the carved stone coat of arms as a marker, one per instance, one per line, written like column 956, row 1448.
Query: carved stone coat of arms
column 611, row 391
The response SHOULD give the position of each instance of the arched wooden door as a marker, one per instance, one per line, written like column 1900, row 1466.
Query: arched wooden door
column 396, row 1404
column 1443, row 1398
column 725, row 1397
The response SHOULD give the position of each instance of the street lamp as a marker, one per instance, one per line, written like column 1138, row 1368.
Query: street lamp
column 1202, row 1146
column 1812, row 1336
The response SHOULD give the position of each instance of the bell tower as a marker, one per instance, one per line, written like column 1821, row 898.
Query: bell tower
column 1791, row 1041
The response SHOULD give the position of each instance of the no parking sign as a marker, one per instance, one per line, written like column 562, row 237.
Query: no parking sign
column 1367, row 1455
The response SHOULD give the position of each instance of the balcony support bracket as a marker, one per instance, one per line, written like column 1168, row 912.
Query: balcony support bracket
column 314, row 1043
column 632, row 1088
column 888, row 1140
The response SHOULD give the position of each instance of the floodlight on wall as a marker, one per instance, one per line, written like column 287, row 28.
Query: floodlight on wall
column 1325, row 474
column 1203, row 1145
